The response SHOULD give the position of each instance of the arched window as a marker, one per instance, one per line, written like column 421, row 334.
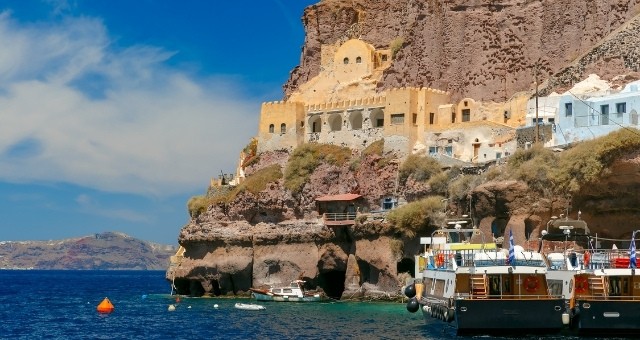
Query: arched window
column 283, row 128
column 358, row 60
column 271, row 127
column 345, row 61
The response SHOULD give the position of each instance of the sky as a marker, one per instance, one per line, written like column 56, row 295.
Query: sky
column 114, row 113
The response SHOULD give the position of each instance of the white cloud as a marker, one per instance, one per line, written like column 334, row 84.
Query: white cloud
column 73, row 108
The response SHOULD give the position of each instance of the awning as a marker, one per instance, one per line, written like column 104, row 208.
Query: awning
column 341, row 197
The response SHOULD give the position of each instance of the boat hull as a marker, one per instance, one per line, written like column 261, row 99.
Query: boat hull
column 509, row 316
column 600, row 316
column 284, row 298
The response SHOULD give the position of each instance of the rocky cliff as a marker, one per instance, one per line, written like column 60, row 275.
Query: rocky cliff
column 478, row 49
column 486, row 50
column 102, row 251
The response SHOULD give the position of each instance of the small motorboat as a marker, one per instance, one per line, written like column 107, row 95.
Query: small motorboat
column 249, row 306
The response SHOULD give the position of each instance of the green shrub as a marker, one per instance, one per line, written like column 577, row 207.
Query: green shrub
column 197, row 205
column 258, row 181
column 307, row 157
column 462, row 185
column 439, row 182
column 375, row 148
column 534, row 167
column 415, row 216
column 421, row 168
column 395, row 45
column 588, row 160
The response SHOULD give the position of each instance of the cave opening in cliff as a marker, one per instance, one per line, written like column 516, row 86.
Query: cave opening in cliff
column 215, row 288
column 181, row 286
column 406, row 266
column 195, row 288
column 332, row 282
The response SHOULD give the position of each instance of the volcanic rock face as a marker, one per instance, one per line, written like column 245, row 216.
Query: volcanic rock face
column 230, row 249
column 481, row 49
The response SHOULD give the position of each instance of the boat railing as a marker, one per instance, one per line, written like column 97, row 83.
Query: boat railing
column 589, row 259
column 467, row 296
column 451, row 259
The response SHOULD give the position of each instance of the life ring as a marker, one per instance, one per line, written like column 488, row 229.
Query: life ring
column 531, row 284
column 586, row 258
column 439, row 260
column 582, row 284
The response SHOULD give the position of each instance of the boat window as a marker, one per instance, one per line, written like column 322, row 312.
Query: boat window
column 286, row 290
column 277, row 290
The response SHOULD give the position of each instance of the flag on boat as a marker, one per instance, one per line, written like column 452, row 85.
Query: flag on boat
column 512, row 252
column 632, row 251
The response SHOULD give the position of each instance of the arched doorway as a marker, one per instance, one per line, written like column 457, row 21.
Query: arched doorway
column 335, row 122
column 355, row 120
column 315, row 123
column 377, row 118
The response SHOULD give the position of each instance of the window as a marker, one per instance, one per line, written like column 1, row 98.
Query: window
column 604, row 112
column 415, row 118
column 433, row 150
column 551, row 120
column 466, row 103
column 432, row 118
column 358, row 60
column 466, row 115
column 453, row 117
column 271, row 127
column 397, row 118
column 345, row 61
column 448, row 150
column 283, row 128
column 539, row 121
column 384, row 57
column 621, row 107
column 568, row 109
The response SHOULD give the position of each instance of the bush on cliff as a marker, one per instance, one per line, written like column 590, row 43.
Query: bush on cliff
column 421, row 168
column 533, row 166
column 307, row 157
column 588, row 160
column 254, row 184
column 197, row 205
column 415, row 216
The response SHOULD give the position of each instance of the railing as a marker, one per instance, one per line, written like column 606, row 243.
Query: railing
column 339, row 219
column 332, row 217
column 466, row 296
column 445, row 259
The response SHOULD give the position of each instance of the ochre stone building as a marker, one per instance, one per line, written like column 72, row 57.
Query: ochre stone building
column 341, row 106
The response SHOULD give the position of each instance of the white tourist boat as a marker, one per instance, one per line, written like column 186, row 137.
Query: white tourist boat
column 249, row 306
column 292, row 293
column 600, row 285
column 478, row 288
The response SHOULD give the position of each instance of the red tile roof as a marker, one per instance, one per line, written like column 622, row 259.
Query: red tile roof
column 341, row 197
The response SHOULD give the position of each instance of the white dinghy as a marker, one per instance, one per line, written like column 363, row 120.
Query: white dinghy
column 249, row 306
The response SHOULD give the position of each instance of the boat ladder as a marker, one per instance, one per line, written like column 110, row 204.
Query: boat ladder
column 479, row 286
column 597, row 286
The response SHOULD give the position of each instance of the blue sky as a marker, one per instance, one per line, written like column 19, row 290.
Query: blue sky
column 113, row 113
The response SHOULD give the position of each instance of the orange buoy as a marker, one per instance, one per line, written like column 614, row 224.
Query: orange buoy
column 105, row 306
column 178, row 299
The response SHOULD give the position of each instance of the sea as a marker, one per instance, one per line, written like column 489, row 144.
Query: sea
column 59, row 304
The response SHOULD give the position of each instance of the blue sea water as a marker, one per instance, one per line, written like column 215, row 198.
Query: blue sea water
column 37, row 304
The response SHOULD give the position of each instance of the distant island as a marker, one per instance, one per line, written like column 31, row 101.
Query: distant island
column 102, row 251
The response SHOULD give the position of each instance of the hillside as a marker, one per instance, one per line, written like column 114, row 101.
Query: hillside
column 271, row 227
column 109, row 250
column 481, row 49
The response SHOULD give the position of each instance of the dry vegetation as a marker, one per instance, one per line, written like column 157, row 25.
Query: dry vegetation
column 307, row 157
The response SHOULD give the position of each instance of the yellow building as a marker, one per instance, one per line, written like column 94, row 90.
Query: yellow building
column 341, row 106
